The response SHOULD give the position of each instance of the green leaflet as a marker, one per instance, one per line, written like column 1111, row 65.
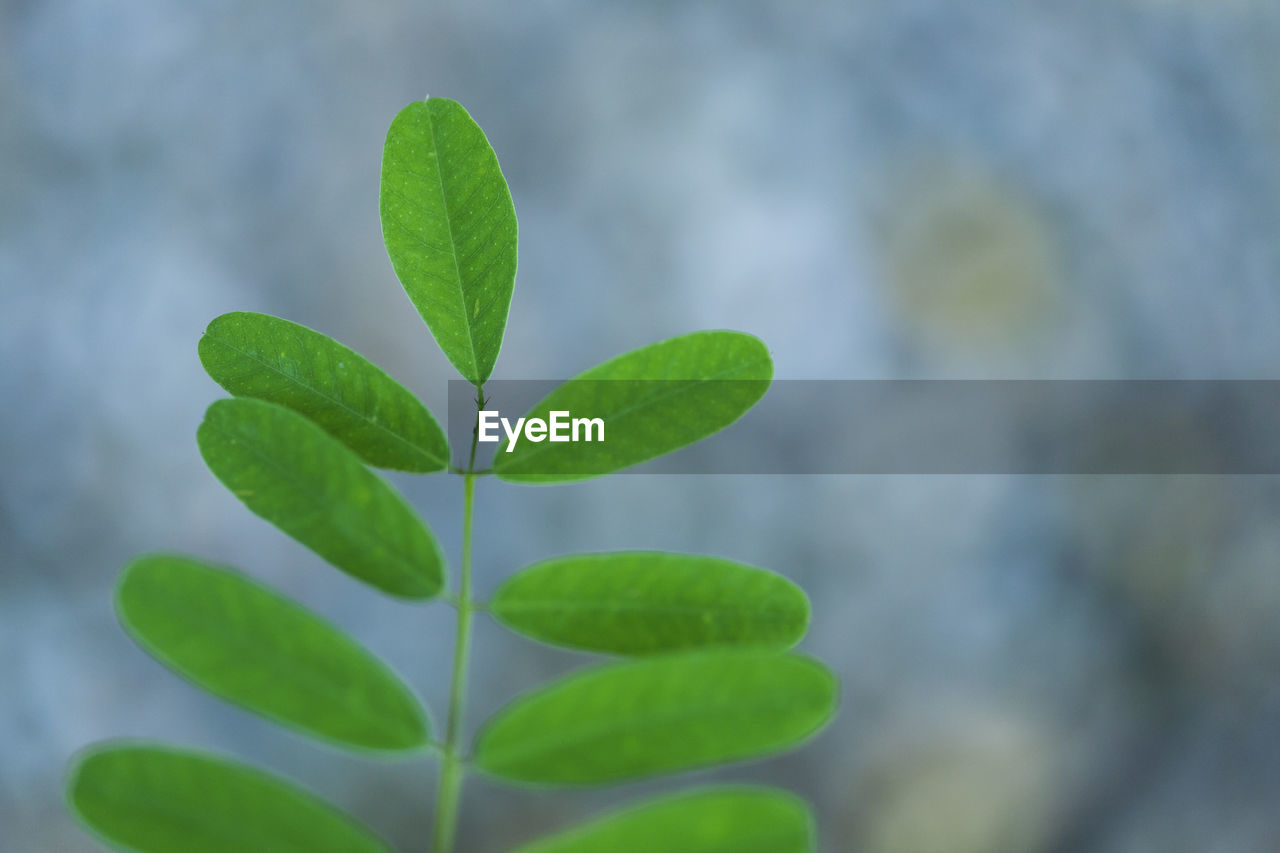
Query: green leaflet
column 256, row 648
column 706, row 820
column 450, row 230
column 257, row 355
column 298, row 477
column 658, row 715
column 158, row 799
column 643, row 602
column 653, row 400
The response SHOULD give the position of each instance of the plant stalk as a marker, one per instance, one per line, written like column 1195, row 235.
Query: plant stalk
column 450, row 789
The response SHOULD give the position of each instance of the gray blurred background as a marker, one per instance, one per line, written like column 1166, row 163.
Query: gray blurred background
column 908, row 189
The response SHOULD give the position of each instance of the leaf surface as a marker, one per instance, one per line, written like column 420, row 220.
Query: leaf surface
column 265, row 357
column 646, row 602
column 158, row 799
column 450, row 230
column 256, row 648
column 658, row 715
column 298, row 477
column 652, row 400
column 706, row 820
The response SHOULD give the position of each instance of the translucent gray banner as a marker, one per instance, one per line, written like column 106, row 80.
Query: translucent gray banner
column 956, row 427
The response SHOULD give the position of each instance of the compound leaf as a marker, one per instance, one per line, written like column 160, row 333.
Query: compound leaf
column 158, row 799
column 256, row 648
column 706, row 820
column 450, row 230
column 658, row 715
column 652, row 400
column 645, row 602
column 257, row 355
column 295, row 475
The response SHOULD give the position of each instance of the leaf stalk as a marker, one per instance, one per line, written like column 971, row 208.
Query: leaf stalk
column 451, row 770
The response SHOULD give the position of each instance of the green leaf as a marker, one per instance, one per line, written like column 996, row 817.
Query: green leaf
column 298, row 477
column 256, row 648
column 652, row 400
column 257, row 355
column 642, row 602
column 450, row 229
column 158, row 799
column 706, row 820
column 658, row 715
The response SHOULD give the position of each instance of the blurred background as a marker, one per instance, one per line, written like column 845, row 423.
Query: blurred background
column 908, row 189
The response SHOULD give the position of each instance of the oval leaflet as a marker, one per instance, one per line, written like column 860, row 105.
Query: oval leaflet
column 648, row 602
column 354, row 400
column 161, row 799
column 450, row 230
column 304, row 481
column 658, row 715
column 256, row 648
column 707, row 820
column 652, row 400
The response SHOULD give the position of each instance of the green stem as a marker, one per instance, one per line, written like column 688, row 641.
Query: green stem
column 451, row 769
